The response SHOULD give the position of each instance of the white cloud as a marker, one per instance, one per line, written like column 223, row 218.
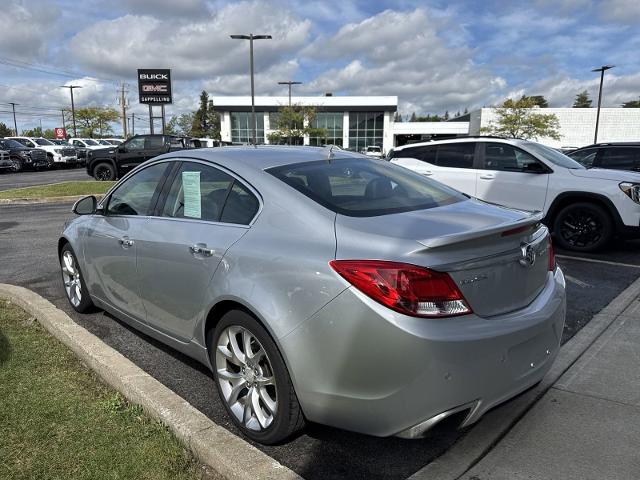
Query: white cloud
column 404, row 54
column 26, row 27
column 194, row 50
column 622, row 11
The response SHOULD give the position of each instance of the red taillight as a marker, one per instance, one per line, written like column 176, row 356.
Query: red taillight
column 408, row 289
column 552, row 256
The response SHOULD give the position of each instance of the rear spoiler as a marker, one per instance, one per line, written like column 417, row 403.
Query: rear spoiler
column 446, row 240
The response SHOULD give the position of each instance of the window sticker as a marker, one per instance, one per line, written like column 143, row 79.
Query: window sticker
column 191, row 188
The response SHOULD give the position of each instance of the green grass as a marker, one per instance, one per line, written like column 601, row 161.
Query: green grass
column 58, row 421
column 63, row 189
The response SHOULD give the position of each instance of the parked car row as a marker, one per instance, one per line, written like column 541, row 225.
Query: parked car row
column 37, row 153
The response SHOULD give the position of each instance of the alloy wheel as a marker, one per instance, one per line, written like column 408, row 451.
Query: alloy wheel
column 103, row 174
column 581, row 227
column 246, row 378
column 16, row 165
column 71, row 277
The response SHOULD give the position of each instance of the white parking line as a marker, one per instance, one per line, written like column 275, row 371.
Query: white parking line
column 578, row 282
column 593, row 260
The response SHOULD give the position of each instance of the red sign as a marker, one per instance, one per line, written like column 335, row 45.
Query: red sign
column 60, row 133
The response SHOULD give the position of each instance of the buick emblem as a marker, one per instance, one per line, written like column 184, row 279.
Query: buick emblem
column 528, row 255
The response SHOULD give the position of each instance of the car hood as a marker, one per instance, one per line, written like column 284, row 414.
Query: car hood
column 606, row 174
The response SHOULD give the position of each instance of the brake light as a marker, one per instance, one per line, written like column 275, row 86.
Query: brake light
column 405, row 288
column 552, row 256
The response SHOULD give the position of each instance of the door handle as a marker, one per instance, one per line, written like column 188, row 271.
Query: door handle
column 428, row 173
column 488, row 176
column 126, row 242
column 201, row 249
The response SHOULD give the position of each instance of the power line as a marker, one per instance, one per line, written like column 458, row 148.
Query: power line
column 47, row 69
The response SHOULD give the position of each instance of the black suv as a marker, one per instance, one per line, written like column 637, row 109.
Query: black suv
column 616, row 156
column 111, row 163
column 23, row 156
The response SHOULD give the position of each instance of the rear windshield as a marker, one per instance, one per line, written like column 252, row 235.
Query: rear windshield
column 365, row 188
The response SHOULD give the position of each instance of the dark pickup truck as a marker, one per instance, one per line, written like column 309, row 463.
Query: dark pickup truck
column 112, row 163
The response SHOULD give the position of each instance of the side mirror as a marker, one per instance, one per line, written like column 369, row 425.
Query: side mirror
column 85, row 206
column 534, row 168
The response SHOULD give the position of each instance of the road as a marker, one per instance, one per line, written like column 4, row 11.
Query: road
column 28, row 236
column 27, row 178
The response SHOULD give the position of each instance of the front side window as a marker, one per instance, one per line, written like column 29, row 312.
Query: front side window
column 136, row 143
column 586, row 157
column 203, row 192
column 365, row 188
column 455, row 155
column 134, row 196
column 505, row 157
column 43, row 141
column 91, row 143
column 620, row 158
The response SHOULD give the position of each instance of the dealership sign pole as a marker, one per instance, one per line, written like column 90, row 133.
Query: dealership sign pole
column 154, row 89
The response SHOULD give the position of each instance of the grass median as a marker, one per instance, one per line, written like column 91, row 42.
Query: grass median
column 57, row 420
column 64, row 189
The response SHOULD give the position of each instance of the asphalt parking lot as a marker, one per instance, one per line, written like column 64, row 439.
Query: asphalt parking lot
column 28, row 258
column 29, row 178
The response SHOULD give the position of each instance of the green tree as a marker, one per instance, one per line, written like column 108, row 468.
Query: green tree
column 293, row 123
column 49, row 133
column 538, row 100
column 631, row 104
column 397, row 117
column 5, row 131
column 181, row 124
column 413, row 117
column 93, row 121
column 33, row 132
column 429, row 118
column 206, row 122
column 518, row 119
column 582, row 100
column 466, row 110
column 445, row 117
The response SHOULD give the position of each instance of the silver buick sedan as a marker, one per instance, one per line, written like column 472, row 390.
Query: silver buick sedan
column 323, row 286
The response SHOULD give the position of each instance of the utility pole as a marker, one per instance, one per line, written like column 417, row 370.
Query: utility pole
column 289, row 82
column 73, row 108
column 251, row 37
column 123, row 109
column 15, row 124
column 601, row 69
column 41, row 132
column 133, row 124
column 63, row 125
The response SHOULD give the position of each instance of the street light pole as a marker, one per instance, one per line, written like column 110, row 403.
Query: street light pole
column 15, row 124
column 290, row 82
column 73, row 108
column 602, row 69
column 251, row 37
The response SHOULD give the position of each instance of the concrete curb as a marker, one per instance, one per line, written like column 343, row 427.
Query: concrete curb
column 471, row 448
column 225, row 453
column 32, row 201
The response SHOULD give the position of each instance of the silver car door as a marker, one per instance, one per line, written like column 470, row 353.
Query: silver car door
column 205, row 211
column 110, row 245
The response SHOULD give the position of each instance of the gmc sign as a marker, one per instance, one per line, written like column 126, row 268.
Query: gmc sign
column 154, row 86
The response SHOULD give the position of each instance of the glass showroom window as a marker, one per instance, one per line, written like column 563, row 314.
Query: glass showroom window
column 365, row 128
column 241, row 127
column 332, row 123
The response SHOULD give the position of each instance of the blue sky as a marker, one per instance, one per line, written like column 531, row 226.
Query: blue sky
column 434, row 55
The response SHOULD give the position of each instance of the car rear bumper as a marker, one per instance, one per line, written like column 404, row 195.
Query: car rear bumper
column 360, row 366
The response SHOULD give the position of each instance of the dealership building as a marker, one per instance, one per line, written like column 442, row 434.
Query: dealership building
column 355, row 122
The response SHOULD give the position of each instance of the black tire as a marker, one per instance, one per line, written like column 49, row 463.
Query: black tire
column 85, row 305
column 50, row 163
column 104, row 172
column 288, row 417
column 583, row 227
column 17, row 165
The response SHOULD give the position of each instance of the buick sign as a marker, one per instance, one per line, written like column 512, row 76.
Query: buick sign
column 154, row 86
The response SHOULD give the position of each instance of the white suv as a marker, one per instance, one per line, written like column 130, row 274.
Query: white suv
column 584, row 207
column 56, row 154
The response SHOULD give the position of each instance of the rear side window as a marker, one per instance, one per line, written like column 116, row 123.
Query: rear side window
column 455, row 155
column 426, row 154
column 364, row 188
column 153, row 143
column 501, row 156
column 202, row 192
column 135, row 195
column 620, row 158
